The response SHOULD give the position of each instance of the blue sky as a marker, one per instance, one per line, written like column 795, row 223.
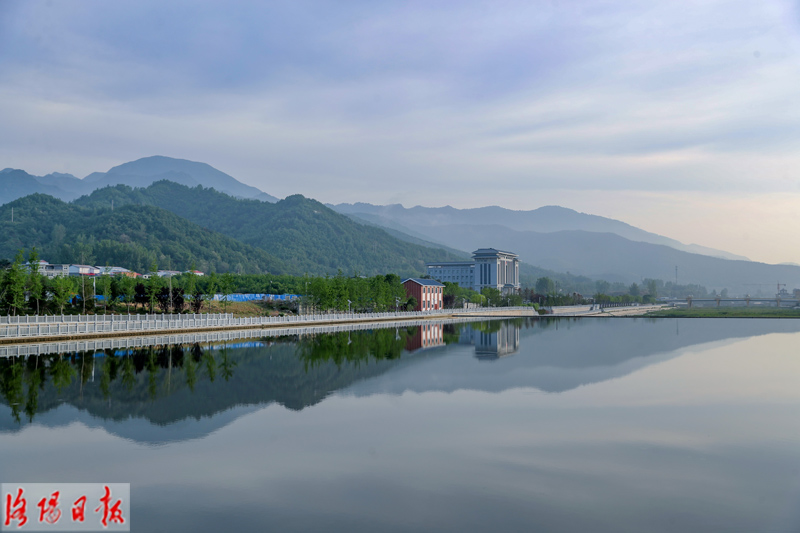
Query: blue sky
column 678, row 117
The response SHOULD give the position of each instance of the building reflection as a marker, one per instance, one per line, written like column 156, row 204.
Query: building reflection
column 494, row 343
column 427, row 336
column 505, row 341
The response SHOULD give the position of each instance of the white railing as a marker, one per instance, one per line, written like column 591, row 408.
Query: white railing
column 68, row 325
column 125, row 343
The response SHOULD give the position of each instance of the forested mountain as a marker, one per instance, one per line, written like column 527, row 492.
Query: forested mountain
column 140, row 173
column 308, row 236
column 143, row 172
column 133, row 236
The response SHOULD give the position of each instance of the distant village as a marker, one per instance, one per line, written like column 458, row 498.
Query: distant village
column 51, row 271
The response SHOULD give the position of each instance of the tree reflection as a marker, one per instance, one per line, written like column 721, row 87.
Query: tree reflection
column 151, row 373
column 62, row 373
column 352, row 347
column 226, row 365
column 12, row 386
column 24, row 381
column 210, row 364
column 190, row 366
column 35, row 382
column 128, row 372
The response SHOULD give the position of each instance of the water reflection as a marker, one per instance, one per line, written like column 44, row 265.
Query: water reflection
column 552, row 425
column 168, row 383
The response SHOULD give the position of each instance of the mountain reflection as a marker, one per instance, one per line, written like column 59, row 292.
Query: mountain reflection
column 170, row 383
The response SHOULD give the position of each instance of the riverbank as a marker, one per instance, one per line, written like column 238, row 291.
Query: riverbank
column 726, row 312
column 72, row 327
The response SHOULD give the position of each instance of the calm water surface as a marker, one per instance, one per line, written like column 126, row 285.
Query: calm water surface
column 561, row 425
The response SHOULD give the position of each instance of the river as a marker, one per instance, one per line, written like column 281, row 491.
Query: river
column 581, row 424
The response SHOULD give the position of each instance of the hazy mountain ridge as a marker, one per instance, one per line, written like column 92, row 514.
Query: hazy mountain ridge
column 547, row 219
column 139, row 173
column 611, row 257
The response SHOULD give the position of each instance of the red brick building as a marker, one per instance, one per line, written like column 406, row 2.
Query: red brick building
column 428, row 292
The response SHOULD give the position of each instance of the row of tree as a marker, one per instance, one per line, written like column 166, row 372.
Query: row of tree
column 24, row 290
column 357, row 294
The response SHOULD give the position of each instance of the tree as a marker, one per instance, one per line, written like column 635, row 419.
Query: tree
column 211, row 286
column 35, row 281
column 633, row 290
column 226, row 288
column 190, row 288
column 493, row 296
column 171, row 299
column 411, row 304
column 105, row 288
column 545, row 286
column 152, row 287
column 652, row 288
column 126, row 286
column 63, row 289
column 602, row 286
column 12, row 289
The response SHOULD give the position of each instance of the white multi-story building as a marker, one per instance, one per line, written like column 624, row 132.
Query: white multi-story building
column 461, row 272
column 50, row 271
column 489, row 268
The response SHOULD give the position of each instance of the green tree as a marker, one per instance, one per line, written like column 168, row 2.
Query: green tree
column 126, row 286
column 545, row 285
column 493, row 296
column 212, row 284
column 105, row 288
column 152, row 287
column 633, row 290
column 192, row 291
column 652, row 288
column 35, row 281
column 12, row 288
column 602, row 286
column 226, row 282
column 62, row 290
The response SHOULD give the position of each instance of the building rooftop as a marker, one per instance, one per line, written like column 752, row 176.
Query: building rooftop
column 421, row 281
column 491, row 251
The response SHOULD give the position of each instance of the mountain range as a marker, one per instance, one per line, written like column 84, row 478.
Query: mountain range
column 15, row 183
column 176, row 226
column 563, row 240
column 434, row 223
column 301, row 235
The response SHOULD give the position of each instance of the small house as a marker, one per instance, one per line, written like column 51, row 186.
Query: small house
column 429, row 293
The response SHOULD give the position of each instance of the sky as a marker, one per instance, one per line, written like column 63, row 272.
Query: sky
column 679, row 117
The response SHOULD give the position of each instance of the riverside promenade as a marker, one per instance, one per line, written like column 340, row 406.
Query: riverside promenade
column 18, row 329
column 14, row 329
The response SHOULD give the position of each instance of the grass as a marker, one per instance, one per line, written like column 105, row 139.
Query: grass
column 727, row 312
